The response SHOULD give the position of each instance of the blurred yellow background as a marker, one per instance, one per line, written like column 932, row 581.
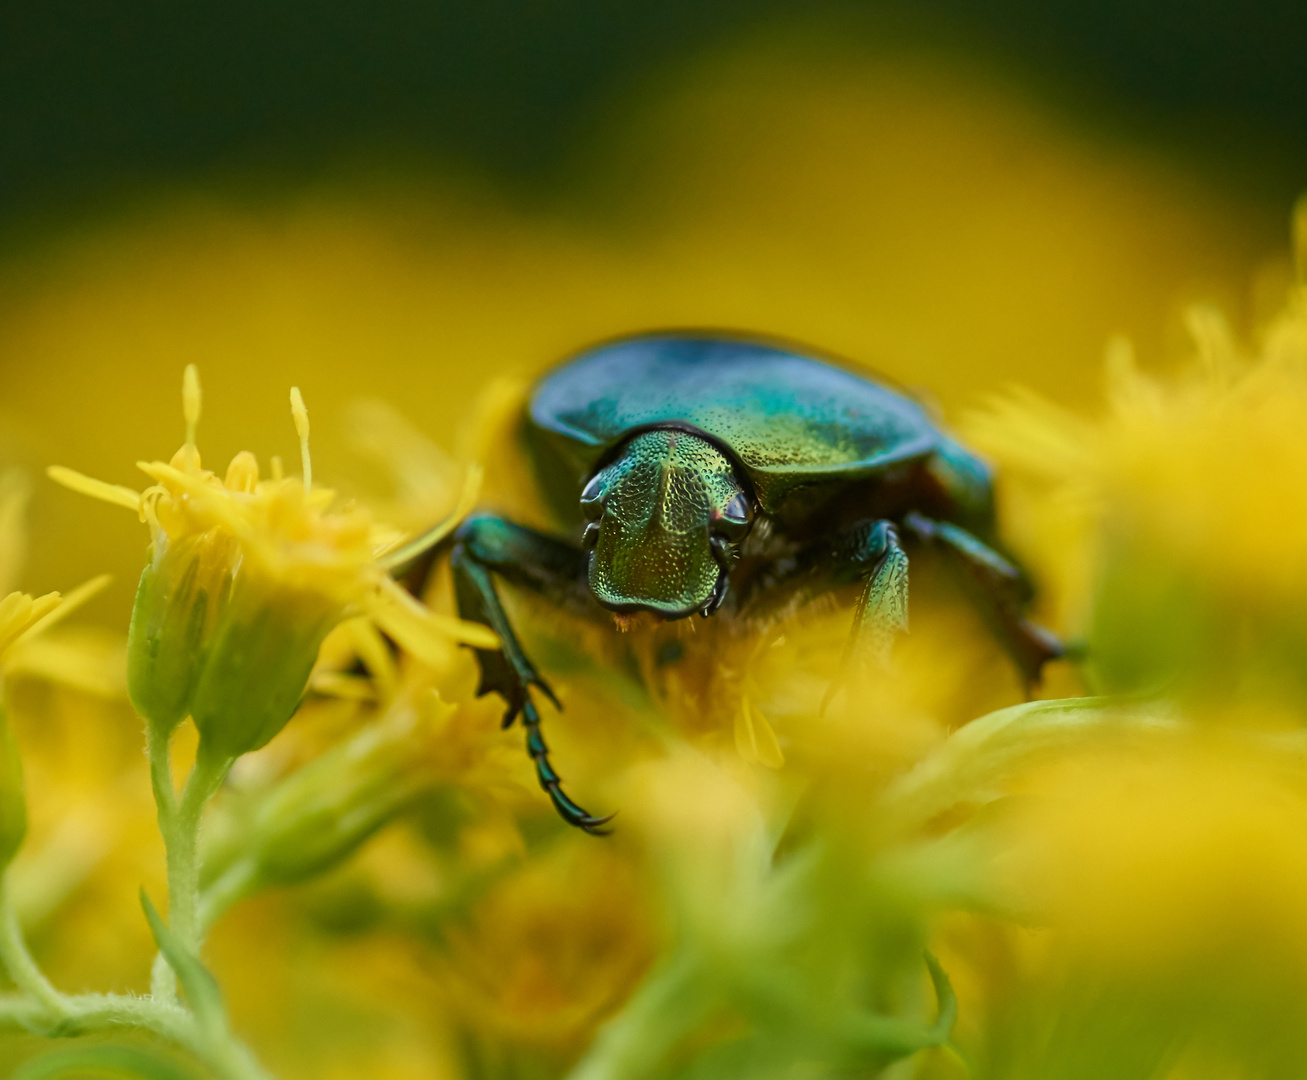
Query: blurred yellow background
column 914, row 211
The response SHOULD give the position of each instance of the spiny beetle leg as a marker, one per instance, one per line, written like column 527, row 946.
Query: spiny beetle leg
column 998, row 591
column 552, row 782
column 488, row 546
column 520, row 696
column 882, row 610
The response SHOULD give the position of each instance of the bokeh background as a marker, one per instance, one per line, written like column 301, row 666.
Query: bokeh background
column 410, row 201
column 404, row 199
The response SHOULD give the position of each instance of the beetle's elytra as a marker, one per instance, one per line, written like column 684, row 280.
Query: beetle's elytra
column 661, row 454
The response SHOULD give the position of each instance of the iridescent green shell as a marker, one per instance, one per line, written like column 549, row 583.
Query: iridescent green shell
column 792, row 421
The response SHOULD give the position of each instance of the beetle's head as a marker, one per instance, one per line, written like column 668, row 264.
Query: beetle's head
column 665, row 517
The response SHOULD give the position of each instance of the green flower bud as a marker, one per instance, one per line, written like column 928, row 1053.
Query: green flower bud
column 258, row 661
column 179, row 602
column 322, row 813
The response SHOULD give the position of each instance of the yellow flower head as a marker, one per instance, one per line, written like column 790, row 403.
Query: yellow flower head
column 22, row 617
column 1174, row 526
column 246, row 577
column 19, row 614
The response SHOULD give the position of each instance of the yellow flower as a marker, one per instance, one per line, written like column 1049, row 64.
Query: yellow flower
column 1173, row 527
column 20, row 613
column 22, row 617
column 246, row 577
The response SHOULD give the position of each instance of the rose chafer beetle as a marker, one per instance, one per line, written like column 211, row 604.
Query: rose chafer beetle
column 702, row 474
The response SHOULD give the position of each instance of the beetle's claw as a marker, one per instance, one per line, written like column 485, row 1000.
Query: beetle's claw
column 552, row 783
column 576, row 815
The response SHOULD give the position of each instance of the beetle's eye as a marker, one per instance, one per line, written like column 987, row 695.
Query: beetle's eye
column 592, row 501
column 735, row 520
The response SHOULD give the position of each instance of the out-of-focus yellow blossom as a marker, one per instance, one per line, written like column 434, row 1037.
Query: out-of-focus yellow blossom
column 22, row 618
column 549, row 951
column 1180, row 854
column 1158, row 870
column 19, row 614
column 246, row 578
column 1172, row 527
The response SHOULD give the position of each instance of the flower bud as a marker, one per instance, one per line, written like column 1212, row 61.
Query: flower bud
column 322, row 813
column 258, row 659
column 179, row 602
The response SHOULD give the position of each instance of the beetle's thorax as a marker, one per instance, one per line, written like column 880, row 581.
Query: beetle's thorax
column 666, row 514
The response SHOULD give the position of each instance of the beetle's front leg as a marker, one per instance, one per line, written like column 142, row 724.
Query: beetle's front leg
column 868, row 552
column 997, row 589
column 487, row 545
column 882, row 611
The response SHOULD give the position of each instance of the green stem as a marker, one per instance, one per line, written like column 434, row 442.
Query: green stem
column 20, row 1011
column 179, row 824
column 41, row 1009
column 184, row 847
column 87, row 1013
column 667, row 1007
column 156, row 747
column 163, row 983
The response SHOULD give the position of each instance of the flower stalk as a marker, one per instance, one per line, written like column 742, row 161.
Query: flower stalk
column 179, row 824
column 245, row 580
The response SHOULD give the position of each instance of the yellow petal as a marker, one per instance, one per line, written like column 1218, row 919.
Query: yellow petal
column 97, row 489
column 754, row 738
column 372, row 649
column 18, row 611
column 71, row 602
column 745, row 742
column 205, row 495
column 422, row 631
column 346, row 687
column 764, row 740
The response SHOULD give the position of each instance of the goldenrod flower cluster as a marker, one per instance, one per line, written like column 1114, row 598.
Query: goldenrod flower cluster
column 246, row 578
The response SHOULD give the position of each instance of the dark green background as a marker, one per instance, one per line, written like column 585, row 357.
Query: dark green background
column 100, row 100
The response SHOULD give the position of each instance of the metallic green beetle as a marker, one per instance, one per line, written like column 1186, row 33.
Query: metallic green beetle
column 705, row 472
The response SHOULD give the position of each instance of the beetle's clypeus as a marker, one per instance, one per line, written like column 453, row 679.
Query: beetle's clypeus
column 660, row 454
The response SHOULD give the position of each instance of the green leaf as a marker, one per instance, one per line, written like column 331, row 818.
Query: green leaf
column 971, row 765
column 948, row 1001
column 872, row 1041
column 199, row 985
column 115, row 1061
